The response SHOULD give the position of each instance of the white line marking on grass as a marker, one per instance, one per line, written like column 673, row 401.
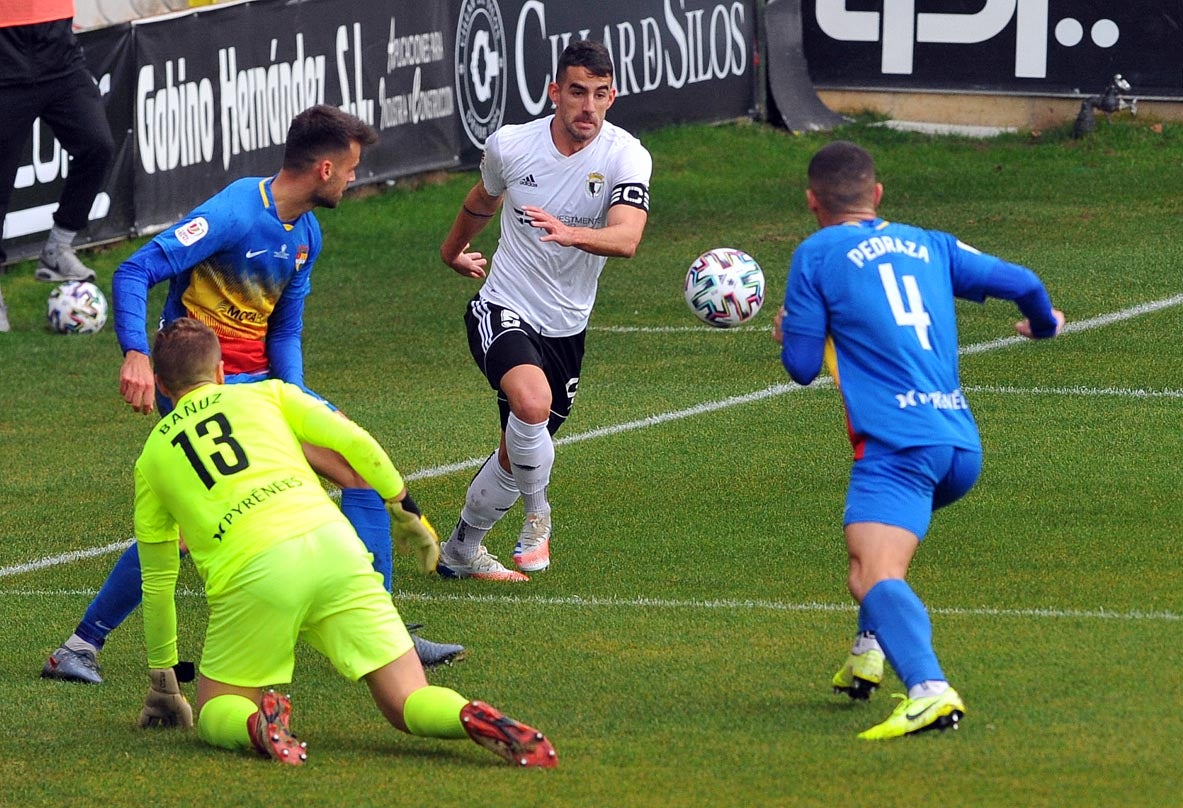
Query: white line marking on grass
column 677, row 329
column 1118, row 392
column 578, row 602
column 1073, row 327
column 778, row 606
column 640, row 423
column 66, row 558
column 700, row 409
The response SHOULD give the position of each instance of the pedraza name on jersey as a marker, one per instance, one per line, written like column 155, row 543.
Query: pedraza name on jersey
column 877, row 246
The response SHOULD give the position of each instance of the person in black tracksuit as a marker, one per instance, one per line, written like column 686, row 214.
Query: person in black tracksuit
column 43, row 75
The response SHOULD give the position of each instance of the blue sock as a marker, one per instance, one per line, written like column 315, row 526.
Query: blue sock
column 119, row 597
column 367, row 512
column 864, row 621
column 905, row 633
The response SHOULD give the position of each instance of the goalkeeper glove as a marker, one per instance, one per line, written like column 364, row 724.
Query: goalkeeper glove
column 165, row 705
column 412, row 533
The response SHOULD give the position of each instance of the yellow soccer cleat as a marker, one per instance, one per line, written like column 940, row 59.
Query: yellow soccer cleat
column 860, row 675
column 917, row 715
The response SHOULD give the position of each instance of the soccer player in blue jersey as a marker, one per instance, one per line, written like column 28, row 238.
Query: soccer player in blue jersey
column 242, row 262
column 875, row 300
column 280, row 563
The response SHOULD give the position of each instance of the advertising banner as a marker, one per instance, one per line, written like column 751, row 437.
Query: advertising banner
column 676, row 60
column 214, row 92
column 198, row 99
column 1046, row 47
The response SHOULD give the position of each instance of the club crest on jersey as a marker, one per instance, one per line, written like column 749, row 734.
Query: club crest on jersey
column 595, row 184
column 192, row 232
column 301, row 256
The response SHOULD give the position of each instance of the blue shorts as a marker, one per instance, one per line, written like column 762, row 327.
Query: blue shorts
column 903, row 488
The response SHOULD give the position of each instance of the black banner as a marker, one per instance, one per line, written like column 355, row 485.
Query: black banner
column 215, row 92
column 1045, row 47
column 676, row 60
column 198, row 99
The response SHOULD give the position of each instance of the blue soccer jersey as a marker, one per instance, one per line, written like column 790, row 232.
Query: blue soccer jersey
column 883, row 293
column 234, row 265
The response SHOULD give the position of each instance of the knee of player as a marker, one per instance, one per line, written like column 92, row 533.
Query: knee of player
column 533, row 408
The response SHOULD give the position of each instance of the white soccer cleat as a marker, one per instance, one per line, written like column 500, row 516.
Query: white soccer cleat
column 532, row 553
column 484, row 567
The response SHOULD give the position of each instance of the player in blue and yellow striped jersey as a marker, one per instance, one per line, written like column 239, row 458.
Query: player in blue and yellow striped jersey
column 241, row 262
column 226, row 468
column 875, row 300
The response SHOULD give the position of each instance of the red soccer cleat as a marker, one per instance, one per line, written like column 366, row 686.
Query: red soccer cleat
column 517, row 743
column 270, row 732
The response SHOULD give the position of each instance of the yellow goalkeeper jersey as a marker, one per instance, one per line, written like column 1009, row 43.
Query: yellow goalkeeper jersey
column 226, row 467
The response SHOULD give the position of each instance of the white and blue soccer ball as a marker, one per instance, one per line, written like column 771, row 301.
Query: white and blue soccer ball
column 77, row 307
column 724, row 287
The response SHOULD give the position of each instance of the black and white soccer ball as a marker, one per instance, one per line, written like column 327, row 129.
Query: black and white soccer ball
column 77, row 307
column 724, row 287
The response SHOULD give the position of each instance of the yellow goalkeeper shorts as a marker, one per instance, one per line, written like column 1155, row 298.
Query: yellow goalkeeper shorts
column 319, row 587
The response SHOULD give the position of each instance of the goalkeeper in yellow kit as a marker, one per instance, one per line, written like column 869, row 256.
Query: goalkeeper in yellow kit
column 280, row 564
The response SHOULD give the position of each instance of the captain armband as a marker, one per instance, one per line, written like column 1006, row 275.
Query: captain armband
column 633, row 194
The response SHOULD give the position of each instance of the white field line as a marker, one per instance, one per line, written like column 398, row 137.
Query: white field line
column 711, row 406
column 577, row 602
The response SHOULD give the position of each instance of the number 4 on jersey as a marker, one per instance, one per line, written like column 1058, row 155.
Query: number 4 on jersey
column 913, row 315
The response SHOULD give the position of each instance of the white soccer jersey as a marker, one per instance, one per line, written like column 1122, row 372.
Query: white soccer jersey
column 551, row 286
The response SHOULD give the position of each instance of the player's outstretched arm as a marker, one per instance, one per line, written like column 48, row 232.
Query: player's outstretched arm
column 618, row 238
column 1023, row 327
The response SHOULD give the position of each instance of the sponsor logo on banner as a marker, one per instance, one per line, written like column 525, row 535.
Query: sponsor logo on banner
column 195, row 110
column 673, row 47
column 480, row 68
column 900, row 27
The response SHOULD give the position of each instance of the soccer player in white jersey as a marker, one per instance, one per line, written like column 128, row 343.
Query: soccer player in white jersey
column 876, row 300
column 575, row 190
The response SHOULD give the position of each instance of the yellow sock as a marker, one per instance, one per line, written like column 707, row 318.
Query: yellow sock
column 223, row 722
column 434, row 712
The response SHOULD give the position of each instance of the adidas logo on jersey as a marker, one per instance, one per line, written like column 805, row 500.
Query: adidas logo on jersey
column 528, row 181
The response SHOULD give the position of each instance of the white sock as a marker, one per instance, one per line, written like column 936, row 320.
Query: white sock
column 864, row 642
column 59, row 237
column 932, row 687
column 531, row 457
column 76, row 643
column 491, row 493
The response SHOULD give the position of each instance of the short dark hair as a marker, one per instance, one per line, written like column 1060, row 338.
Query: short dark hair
column 186, row 353
column 592, row 56
column 323, row 130
column 842, row 176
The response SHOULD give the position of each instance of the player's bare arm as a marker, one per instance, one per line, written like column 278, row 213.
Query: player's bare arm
column 136, row 382
column 478, row 209
column 618, row 238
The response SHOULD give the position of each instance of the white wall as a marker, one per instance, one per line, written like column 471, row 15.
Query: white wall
column 98, row 13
